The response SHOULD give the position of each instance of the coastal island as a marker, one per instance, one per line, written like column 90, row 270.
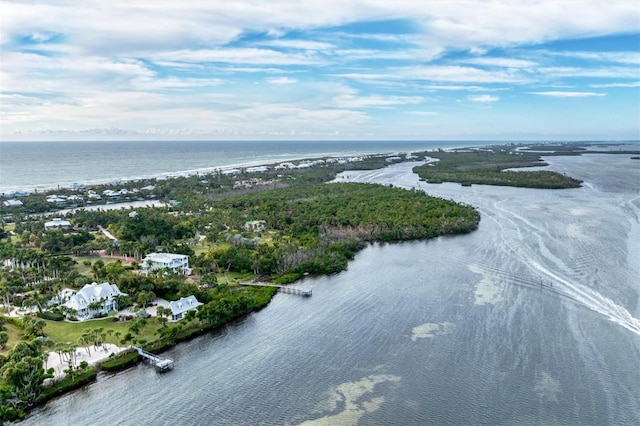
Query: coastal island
column 219, row 233
column 495, row 166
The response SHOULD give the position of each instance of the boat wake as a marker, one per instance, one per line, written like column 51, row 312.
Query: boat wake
column 591, row 299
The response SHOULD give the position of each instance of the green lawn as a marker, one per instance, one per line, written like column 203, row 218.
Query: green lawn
column 233, row 277
column 15, row 335
column 63, row 331
column 82, row 269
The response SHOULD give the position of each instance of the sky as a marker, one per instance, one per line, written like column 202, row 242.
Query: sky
column 320, row 70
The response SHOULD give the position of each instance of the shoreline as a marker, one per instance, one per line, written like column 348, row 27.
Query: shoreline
column 114, row 180
column 270, row 162
column 116, row 206
column 181, row 173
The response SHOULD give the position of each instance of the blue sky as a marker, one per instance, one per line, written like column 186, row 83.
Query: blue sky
column 322, row 69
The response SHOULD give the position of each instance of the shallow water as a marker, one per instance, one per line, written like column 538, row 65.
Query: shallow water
column 531, row 319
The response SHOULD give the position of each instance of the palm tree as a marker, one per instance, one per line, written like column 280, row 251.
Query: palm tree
column 82, row 341
column 94, row 306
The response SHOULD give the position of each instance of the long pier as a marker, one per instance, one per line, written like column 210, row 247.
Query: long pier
column 281, row 288
column 161, row 364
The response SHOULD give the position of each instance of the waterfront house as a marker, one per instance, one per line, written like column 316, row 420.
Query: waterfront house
column 57, row 199
column 57, row 223
column 111, row 194
column 94, row 299
column 178, row 263
column 12, row 203
column 180, row 307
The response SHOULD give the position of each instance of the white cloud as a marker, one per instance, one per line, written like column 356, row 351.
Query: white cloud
column 442, row 73
column 282, row 80
column 252, row 56
column 618, row 57
column 155, row 26
column 559, row 94
column 299, row 44
column 483, row 98
column 460, row 74
column 453, row 87
column 605, row 85
column 423, row 113
column 351, row 101
column 591, row 72
column 501, row 62
column 144, row 66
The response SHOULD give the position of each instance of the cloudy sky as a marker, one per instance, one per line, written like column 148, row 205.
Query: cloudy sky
column 320, row 69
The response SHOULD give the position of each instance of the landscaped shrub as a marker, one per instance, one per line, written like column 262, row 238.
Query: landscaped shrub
column 78, row 380
column 120, row 361
column 53, row 316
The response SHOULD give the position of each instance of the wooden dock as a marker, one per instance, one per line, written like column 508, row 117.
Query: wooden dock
column 281, row 288
column 161, row 364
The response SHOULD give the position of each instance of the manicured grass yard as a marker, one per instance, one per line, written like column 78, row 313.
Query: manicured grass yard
column 15, row 334
column 82, row 269
column 63, row 331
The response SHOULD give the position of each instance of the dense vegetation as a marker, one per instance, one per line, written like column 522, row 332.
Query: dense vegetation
column 489, row 167
column 306, row 227
column 327, row 224
column 309, row 227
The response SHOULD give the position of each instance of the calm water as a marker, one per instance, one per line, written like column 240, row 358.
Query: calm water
column 532, row 319
column 45, row 165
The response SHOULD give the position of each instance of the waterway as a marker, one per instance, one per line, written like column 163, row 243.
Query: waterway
column 531, row 319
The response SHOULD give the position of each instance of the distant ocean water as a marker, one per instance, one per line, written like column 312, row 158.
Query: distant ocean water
column 27, row 166
column 532, row 319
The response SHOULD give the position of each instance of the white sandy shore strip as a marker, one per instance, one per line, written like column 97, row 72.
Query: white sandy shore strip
column 97, row 355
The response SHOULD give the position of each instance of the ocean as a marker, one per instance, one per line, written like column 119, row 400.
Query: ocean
column 46, row 165
column 534, row 318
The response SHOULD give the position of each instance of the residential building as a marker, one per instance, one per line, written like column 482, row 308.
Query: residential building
column 180, row 307
column 57, row 199
column 94, row 299
column 255, row 225
column 57, row 223
column 12, row 203
column 178, row 263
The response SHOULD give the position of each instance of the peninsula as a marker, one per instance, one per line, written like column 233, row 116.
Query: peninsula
column 217, row 233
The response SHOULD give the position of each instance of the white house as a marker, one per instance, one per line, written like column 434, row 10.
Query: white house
column 179, row 307
column 255, row 225
column 57, row 223
column 12, row 203
column 103, row 294
column 57, row 199
column 178, row 263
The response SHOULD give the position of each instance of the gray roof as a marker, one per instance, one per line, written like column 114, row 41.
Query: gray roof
column 92, row 293
column 183, row 305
